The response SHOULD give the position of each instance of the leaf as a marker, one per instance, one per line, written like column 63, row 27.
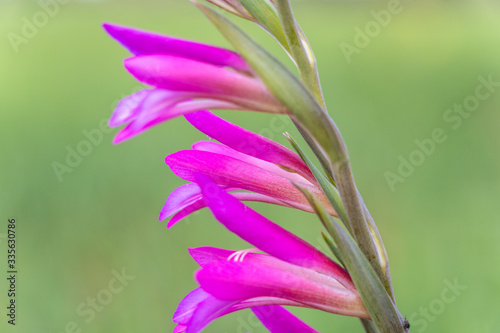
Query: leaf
column 265, row 14
column 328, row 188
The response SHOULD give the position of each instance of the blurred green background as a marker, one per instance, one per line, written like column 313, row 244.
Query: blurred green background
column 440, row 225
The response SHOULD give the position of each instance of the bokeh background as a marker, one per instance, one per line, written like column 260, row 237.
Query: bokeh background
column 75, row 232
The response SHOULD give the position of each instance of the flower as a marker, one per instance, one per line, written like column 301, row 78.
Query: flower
column 292, row 273
column 242, row 161
column 186, row 76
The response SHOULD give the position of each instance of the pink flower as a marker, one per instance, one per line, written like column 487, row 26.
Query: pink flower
column 292, row 273
column 186, row 76
column 245, row 161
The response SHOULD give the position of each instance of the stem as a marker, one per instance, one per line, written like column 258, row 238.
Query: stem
column 364, row 230
column 301, row 50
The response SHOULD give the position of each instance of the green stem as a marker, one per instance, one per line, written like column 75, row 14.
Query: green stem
column 301, row 50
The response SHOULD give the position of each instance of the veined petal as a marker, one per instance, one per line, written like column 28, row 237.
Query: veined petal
column 207, row 255
column 188, row 305
column 181, row 74
column 248, row 142
column 157, row 106
column 279, row 320
column 218, row 148
column 199, row 308
column 230, row 172
column 267, row 235
column 147, row 43
column 180, row 198
column 128, row 107
column 206, row 312
column 231, row 281
column 184, row 207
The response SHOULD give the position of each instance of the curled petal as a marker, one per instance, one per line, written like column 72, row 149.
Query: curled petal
column 147, row 43
column 148, row 108
column 180, row 198
column 196, row 203
column 188, row 305
column 199, row 308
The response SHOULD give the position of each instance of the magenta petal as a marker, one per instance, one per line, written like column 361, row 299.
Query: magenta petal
column 179, row 329
column 218, row 148
column 212, row 308
column 267, row 235
column 198, row 203
column 188, row 305
column 181, row 74
column 147, row 43
column 248, row 142
column 206, row 312
column 206, row 254
column 180, row 198
column 157, row 108
column 230, row 172
column 128, row 108
column 227, row 280
column 279, row 320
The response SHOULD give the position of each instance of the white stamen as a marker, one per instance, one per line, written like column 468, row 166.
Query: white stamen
column 239, row 256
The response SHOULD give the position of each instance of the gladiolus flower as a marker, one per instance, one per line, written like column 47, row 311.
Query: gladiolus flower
column 244, row 161
column 186, row 76
column 292, row 273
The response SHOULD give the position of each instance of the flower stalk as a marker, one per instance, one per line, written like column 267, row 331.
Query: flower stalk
column 189, row 77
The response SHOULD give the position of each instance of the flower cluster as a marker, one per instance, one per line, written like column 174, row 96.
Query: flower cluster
column 281, row 269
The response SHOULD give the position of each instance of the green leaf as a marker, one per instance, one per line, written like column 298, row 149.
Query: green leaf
column 300, row 49
column 333, row 248
column 382, row 310
column 266, row 15
column 328, row 188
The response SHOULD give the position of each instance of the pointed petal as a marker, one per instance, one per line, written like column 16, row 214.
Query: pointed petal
column 179, row 329
column 248, row 142
column 156, row 107
column 279, row 320
column 181, row 74
column 180, row 198
column 206, row 312
column 147, row 43
column 188, row 305
column 128, row 108
column 206, row 254
column 265, row 234
column 198, row 203
column 200, row 309
column 230, row 172
column 227, row 280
